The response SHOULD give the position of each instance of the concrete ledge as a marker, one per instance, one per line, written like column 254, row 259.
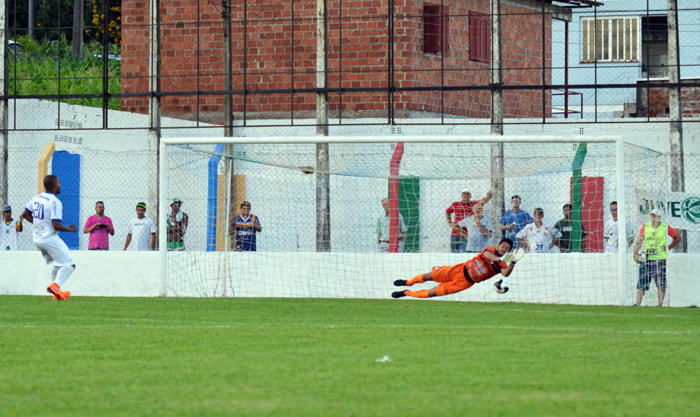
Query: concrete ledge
column 583, row 279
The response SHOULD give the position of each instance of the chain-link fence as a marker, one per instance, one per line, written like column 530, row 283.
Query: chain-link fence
column 119, row 180
column 382, row 63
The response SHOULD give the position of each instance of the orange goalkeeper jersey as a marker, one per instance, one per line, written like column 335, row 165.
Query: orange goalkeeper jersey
column 481, row 269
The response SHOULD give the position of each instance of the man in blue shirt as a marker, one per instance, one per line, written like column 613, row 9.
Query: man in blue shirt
column 243, row 229
column 513, row 221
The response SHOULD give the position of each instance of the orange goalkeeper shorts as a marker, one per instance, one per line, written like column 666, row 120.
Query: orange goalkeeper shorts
column 451, row 279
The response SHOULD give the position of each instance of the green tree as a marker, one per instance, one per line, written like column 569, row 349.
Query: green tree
column 54, row 18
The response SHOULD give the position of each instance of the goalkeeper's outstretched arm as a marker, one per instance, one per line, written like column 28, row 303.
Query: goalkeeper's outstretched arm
column 491, row 257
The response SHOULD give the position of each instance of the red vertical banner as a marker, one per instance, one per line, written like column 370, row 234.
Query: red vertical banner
column 394, row 166
column 592, row 211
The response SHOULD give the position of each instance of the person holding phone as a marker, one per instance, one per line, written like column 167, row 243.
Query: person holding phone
column 99, row 227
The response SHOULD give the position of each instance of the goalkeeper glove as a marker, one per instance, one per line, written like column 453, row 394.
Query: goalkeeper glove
column 518, row 255
column 507, row 257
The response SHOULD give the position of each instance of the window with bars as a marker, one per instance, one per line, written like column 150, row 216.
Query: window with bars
column 479, row 37
column 613, row 39
column 436, row 29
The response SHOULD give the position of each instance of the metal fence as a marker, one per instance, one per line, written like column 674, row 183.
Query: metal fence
column 263, row 63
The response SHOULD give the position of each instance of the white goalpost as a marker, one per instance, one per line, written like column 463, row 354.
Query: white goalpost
column 421, row 177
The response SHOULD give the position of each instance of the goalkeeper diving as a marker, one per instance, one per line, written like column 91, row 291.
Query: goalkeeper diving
column 453, row 279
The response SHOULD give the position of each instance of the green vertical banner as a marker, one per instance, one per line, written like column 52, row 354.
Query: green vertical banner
column 576, row 196
column 409, row 207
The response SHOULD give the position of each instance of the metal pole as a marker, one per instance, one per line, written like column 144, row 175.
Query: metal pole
column 497, row 151
column 566, row 69
column 595, row 63
column 105, row 64
column 32, row 18
column 4, row 88
column 390, row 139
column 154, row 113
column 78, row 10
column 245, row 62
column 544, row 62
column 228, row 66
column 163, row 221
column 390, row 61
column 675, row 105
column 323, row 202
column 228, row 120
column 621, row 222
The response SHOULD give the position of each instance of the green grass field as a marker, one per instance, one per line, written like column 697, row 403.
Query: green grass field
column 317, row 357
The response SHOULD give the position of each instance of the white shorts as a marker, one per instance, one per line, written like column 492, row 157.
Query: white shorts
column 55, row 250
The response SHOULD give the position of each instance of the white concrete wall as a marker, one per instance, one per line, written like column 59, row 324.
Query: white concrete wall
column 589, row 279
column 99, row 274
column 288, row 215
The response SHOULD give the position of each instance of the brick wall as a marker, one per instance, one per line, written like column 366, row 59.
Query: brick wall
column 658, row 104
column 192, row 58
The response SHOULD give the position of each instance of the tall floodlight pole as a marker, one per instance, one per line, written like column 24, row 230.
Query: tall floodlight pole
column 154, row 132
column 675, row 109
column 323, row 202
column 497, row 165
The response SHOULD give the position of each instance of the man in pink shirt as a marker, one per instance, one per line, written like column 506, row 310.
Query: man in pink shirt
column 100, row 227
column 462, row 209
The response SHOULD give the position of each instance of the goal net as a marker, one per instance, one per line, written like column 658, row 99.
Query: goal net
column 287, row 217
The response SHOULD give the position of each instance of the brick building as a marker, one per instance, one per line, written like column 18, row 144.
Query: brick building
column 654, row 102
column 446, row 43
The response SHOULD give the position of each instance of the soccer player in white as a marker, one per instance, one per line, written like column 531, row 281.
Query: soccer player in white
column 45, row 211
column 142, row 231
column 536, row 237
column 8, row 230
column 610, row 231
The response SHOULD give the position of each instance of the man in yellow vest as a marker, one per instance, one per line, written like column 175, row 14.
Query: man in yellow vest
column 654, row 236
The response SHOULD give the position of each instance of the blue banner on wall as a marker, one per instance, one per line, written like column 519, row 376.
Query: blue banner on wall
column 213, row 197
column 66, row 166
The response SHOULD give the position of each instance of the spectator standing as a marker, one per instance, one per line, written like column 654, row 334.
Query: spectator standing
column 565, row 227
column 243, row 229
column 383, row 230
column 9, row 232
column 514, row 220
column 654, row 235
column 141, row 231
column 536, row 237
column 461, row 209
column 610, row 231
column 99, row 227
column 479, row 229
column 177, row 226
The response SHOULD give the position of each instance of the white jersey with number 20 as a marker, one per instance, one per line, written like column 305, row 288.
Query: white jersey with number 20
column 45, row 208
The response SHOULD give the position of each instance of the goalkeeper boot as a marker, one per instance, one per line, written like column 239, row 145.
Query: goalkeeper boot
column 400, row 282
column 56, row 291
column 65, row 294
column 398, row 294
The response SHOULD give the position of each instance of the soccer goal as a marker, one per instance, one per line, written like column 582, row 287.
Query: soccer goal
column 343, row 217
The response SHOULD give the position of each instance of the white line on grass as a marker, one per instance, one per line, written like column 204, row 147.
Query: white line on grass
column 398, row 326
column 590, row 313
